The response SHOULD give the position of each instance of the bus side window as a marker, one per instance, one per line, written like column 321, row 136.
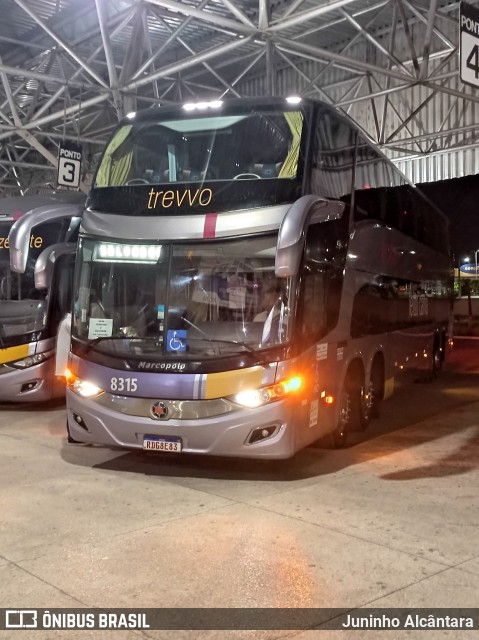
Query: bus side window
column 379, row 192
column 314, row 302
column 332, row 160
column 369, row 315
column 406, row 218
column 431, row 228
column 324, row 258
column 320, row 302
column 62, row 287
column 372, row 204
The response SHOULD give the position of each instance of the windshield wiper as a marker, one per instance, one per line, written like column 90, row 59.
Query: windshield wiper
column 208, row 338
column 237, row 343
column 85, row 348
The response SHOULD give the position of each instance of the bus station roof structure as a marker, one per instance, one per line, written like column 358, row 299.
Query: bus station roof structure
column 69, row 70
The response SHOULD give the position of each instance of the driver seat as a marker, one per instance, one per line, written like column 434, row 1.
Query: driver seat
column 267, row 169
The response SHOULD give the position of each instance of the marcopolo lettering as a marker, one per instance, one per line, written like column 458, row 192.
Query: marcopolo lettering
column 162, row 366
column 69, row 153
column 168, row 198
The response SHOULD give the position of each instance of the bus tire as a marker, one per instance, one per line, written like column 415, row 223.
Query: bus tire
column 366, row 404
column 352, row 415
column 435, row 362
column 376, row 385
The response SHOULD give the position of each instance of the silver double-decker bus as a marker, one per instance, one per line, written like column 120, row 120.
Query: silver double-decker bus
column 252, row 276
column 37, row 251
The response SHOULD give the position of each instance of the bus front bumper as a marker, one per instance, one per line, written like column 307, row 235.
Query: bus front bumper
column 238, row 434
column 32, row 384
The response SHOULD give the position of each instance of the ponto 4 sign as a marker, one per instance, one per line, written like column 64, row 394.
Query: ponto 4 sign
column 469, row 44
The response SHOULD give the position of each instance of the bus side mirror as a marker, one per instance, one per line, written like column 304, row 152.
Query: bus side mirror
column 19, row 236
column 45, row 264
column 305, row 211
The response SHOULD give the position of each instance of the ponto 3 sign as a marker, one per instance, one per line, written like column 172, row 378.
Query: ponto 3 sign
column 69, row 165
column 469, row 43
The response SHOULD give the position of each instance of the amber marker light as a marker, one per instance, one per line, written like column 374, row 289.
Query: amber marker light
column 293, row 384
column 327, row 398
column 69, row 375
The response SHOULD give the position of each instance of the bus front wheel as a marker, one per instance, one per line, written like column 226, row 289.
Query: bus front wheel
column 354, row 409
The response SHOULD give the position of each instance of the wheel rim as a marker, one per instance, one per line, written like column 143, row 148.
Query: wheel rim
column 344, row 418
column 436, row 360
column 344, row 411
column 367, row 401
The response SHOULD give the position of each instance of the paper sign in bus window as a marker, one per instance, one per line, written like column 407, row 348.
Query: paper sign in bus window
column 100, row 328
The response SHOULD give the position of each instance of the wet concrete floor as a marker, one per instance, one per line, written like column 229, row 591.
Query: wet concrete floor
column 392, row 521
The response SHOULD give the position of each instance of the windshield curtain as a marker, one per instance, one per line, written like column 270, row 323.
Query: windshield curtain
column 193, row 301
column 251, row 146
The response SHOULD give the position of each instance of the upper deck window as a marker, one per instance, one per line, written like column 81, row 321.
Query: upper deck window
column 252, row 146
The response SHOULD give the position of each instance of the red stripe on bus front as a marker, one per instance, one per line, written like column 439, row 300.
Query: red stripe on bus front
column 209, row 230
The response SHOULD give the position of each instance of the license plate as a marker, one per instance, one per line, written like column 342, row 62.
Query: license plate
column 159, row 443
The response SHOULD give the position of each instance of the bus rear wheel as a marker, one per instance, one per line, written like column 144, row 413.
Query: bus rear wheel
column 376, row 386
column 437, row 360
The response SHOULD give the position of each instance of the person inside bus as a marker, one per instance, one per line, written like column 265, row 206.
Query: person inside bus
column 271, row 295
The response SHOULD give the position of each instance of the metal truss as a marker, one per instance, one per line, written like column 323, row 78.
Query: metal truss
column 70, row 70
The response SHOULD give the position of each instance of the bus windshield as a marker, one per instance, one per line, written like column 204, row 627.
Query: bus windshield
column 22, row 307
column 191, row 164
column 200, row 300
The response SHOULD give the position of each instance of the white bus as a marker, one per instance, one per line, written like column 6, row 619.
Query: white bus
column 252, row 276
column 37, row 251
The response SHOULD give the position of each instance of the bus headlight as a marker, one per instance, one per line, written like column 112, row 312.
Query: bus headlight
column 252, row 398
column 30, row 361
column 259, row 397
column 83, row 388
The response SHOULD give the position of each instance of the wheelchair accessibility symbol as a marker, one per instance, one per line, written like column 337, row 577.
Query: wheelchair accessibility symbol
column 176, row 340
